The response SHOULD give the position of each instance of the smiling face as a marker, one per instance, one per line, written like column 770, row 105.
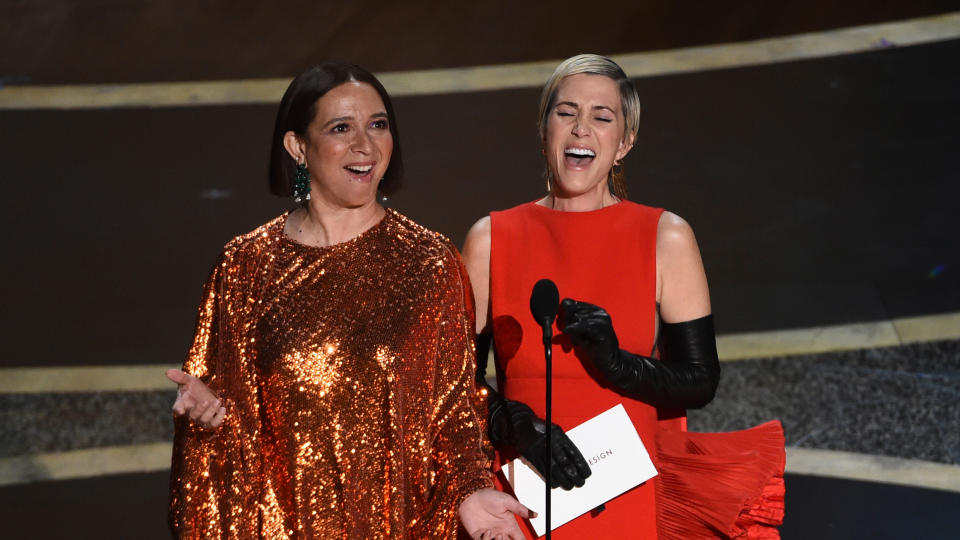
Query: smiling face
column 584, row 134
column 347, row 146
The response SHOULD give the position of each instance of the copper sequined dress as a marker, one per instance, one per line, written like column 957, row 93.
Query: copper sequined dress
column 347, row 372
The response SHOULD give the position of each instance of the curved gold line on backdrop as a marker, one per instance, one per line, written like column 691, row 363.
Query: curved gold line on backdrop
column 867, row 335
column 483, row 78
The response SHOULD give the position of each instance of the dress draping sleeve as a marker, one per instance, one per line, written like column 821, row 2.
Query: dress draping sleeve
column 214, row 491
column 460, row 453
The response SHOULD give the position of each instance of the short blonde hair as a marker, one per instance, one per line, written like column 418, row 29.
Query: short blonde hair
column 594, row 64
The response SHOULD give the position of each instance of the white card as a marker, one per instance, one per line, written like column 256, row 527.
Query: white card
column 618, row 462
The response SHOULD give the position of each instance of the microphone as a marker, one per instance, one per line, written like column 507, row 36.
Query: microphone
column 544, row 304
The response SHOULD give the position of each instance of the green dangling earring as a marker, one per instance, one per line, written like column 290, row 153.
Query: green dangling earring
column 301, row 184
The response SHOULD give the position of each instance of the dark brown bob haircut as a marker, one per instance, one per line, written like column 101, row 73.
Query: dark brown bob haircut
column 298, row 108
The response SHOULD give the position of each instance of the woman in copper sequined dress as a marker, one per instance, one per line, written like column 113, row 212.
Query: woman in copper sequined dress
column 329, row 390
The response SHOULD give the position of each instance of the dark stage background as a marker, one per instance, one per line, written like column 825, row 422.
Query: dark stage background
column 823, row 192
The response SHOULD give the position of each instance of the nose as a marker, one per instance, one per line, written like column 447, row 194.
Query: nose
column 361, row 142
column 578, row 128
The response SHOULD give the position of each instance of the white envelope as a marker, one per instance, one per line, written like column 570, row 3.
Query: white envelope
column 618, row 461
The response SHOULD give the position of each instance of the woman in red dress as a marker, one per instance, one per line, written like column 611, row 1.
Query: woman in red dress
column 636, row 328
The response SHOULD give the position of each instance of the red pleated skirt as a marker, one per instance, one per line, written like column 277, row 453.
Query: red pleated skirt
column 720, row 485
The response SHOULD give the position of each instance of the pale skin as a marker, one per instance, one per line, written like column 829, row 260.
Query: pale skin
column 587, row 116
column 347, row 149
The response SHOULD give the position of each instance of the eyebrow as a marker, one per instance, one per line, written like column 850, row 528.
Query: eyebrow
column 595, row 107
column 345, row 118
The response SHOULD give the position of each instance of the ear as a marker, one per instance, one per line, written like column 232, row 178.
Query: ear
column 295, row 147
column 625, row 145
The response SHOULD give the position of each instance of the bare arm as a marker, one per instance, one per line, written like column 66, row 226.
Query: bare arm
column 681, row 280
column 476, row 257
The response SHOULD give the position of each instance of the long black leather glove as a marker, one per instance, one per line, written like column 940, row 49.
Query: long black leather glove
column 686, row 376
column 513, row 427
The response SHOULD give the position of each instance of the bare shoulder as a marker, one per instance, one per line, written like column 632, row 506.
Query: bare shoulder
column 674, row 234
column 477, row 243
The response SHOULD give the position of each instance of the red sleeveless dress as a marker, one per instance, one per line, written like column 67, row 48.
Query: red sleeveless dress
column 608, row 257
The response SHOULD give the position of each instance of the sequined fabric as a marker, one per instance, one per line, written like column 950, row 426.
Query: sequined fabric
column 348, row 377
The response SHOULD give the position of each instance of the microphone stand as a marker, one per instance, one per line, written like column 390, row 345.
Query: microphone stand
column 544, row 303
column 547, row 324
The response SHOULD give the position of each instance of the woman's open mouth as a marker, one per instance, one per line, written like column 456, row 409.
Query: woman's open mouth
column 576, row 157
column 360, row 171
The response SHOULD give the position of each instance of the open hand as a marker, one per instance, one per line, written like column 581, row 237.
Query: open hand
column 487, row 514
column 196, row 400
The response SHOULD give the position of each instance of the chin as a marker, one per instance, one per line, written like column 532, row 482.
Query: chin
column 574, row 188
column 357, row 202
column 363, row 199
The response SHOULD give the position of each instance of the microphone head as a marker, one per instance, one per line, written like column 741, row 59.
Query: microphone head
column 544, row 302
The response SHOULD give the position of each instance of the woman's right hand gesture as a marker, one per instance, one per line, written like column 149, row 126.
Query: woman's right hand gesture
column 194, row 398
column 513, row 424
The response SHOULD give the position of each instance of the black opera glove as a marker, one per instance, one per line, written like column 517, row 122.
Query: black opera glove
column 514, row 426
column 686, row 376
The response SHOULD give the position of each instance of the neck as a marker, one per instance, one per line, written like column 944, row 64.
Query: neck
column 594, row 199
column 322, row 225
